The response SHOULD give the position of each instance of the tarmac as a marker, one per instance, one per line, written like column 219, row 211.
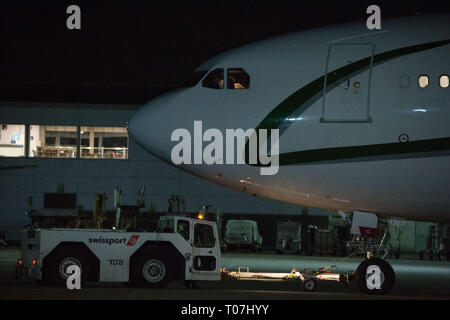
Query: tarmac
column 415, row 279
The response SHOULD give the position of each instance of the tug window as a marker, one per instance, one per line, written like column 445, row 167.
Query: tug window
column 444, row 81
column 183, row 228
column 214, row 79
column 237, row 78
column 204, row 236
column 423, row 81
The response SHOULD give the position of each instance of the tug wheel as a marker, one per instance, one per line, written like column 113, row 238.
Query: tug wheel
column 152, row 269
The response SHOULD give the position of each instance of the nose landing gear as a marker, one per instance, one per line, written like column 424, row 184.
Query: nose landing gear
column 374, row 275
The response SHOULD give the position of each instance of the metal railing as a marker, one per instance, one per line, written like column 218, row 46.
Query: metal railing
column 86, row 152
column 56, row 152
column 104, row 152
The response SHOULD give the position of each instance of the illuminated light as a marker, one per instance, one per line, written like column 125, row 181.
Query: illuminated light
column 246, row 181
column 294, row 119
column 444, row 81
column 34, row 262
column 20, row 262
column 423, row 81
column 341, row 200
column 200, row 216
column 420, row 110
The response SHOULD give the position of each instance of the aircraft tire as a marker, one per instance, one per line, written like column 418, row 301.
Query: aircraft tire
column 366, row 282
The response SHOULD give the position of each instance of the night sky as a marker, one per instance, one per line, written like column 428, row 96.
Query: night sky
column 131, row 51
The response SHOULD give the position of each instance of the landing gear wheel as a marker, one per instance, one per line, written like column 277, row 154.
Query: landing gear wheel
column 152, row 269
column 309, row 285
column 375, row 276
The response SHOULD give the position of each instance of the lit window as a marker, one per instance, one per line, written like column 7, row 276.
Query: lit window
column 237, row 78
column 214, row 79
column 444, row 81
column 12, row 140
column 423, row 81
column 104, row 142
column 53, row 141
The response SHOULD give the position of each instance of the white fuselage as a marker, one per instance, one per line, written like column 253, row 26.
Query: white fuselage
column 353, row 136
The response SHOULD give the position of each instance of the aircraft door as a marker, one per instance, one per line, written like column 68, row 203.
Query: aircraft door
column 346, row 94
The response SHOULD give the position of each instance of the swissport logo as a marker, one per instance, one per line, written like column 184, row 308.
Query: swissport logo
column 133, row 240
column 111, row 241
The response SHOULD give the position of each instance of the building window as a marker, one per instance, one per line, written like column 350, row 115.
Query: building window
column 423, row 81
column 104, row 142
column 444, row 81
column 237, row 78
column 53, row 141
column 12, row 140
column 214, row 79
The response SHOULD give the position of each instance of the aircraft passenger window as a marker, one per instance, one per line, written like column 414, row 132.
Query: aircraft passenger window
column 444, row 81
column 237, row 78
column 423, row 81
column 214, row 79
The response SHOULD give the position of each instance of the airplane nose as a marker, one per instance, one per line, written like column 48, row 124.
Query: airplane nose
column 147, row 127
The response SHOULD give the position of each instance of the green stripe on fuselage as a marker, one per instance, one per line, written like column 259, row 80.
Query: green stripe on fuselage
column 367, row 151
column 303, row 98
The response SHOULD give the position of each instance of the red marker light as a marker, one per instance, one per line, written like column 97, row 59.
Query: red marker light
column 34, row 262
column 20, row 262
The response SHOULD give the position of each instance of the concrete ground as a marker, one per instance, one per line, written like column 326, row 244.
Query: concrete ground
column 416, row 279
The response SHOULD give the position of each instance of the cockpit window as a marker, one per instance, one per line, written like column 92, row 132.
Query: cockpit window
column 193, row 79
column 237, row 78
column 214, row 79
